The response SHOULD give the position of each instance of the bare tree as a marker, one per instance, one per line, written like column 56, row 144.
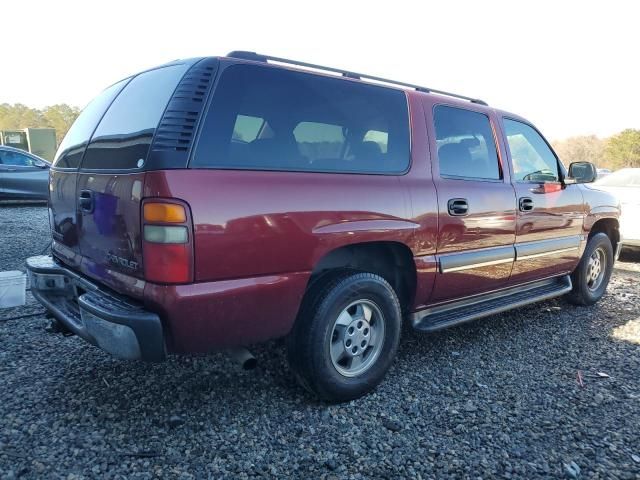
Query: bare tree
column 581, row 149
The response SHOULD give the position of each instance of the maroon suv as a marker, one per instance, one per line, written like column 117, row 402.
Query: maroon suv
column 218, row 202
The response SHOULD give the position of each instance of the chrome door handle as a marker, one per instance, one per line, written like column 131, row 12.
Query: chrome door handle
column 458, row 207
column 525, row 204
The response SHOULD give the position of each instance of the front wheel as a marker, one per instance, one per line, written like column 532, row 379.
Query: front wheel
column 346, row 335
column 591, row 276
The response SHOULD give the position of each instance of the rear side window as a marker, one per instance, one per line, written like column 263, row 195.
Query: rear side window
column 532, row 159
column 72, row 146
column 124, row 134
column 466, row 146
column 266, row 118
column 15, row 159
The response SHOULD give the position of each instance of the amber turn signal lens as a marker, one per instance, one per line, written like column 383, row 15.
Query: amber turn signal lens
column 164, row 213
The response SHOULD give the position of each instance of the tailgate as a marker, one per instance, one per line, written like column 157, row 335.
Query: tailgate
column 109, row 225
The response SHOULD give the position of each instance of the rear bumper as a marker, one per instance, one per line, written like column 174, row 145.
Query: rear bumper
column 115, row 324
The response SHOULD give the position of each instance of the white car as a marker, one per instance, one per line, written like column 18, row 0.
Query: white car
column 625, row 184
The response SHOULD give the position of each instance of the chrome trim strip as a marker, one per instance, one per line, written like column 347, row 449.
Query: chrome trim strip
column 486, row 257
column 544, row 254
column 476, row 265
column 535, row 247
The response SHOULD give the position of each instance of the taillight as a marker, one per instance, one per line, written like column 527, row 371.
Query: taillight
column 164, row 212
column 167, row 241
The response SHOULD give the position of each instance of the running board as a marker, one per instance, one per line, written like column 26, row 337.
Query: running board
column 454, row 313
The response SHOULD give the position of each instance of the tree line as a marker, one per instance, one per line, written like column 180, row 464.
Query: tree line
column 618, row 151
column 19, row 116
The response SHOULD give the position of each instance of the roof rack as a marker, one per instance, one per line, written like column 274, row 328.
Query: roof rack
column 256, row 57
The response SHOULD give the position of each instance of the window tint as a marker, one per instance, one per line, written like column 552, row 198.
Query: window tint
column 15, row 159
column 124, row 134
column 533, row 160
column 72, row 146
column 466, row 147
column 306, row 123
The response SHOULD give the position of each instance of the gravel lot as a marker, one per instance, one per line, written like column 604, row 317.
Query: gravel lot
column 498, row 397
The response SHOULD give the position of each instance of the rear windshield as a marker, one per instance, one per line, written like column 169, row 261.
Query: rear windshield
column 266, row 118
column 124, row 134
column 72, row 147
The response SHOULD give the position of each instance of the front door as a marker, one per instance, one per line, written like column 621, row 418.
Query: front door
column 476, row 204
column 550, row 214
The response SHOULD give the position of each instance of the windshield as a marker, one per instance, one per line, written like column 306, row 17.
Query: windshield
column 627, row 177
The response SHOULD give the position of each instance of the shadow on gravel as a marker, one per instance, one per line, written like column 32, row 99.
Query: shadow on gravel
column 201, row 381
column 186, row 383
column 630, row 255
column 181, row 384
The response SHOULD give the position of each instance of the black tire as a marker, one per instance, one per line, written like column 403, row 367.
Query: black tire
column 309, row 343
column 582, row 293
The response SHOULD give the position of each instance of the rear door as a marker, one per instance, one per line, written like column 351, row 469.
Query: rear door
column 550, row 214
column 476, row 203
column 64, row 175
column 111, row 177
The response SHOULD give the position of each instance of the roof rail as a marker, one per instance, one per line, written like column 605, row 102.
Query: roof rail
column 256, row 57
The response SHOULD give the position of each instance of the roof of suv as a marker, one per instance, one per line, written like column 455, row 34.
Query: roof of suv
column 252, row 57
column 255, row 57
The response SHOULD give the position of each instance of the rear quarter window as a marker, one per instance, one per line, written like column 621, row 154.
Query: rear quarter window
column 264, row 118
column 124, row 134
column 73, row 145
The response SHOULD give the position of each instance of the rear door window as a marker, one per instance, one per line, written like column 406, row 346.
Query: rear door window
column 265, row 118
column 15, row 159
column 466, row 145
column 532, row 159
column 124, row 134
column 72, row 146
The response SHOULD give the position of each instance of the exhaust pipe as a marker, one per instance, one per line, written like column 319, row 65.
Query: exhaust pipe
column 243, row 357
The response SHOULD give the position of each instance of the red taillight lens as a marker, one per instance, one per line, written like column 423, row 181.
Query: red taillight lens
column 167, row 263
column 167, row 241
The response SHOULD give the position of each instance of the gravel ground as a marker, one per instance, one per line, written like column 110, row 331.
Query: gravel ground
column 495, row 398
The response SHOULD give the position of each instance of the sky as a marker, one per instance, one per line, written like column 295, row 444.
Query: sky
column 571, row 67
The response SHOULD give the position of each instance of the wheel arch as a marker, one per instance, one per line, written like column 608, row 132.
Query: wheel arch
column 608, row 226
column 391, row 260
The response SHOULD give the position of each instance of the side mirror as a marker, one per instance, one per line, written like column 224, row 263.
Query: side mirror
column 40, row 164
column 581, row 172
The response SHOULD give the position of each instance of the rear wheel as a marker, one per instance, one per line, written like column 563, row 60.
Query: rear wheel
column 591, row 276
column 346, row 335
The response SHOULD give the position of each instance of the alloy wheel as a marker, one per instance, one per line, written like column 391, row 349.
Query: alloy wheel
column 357, row 338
